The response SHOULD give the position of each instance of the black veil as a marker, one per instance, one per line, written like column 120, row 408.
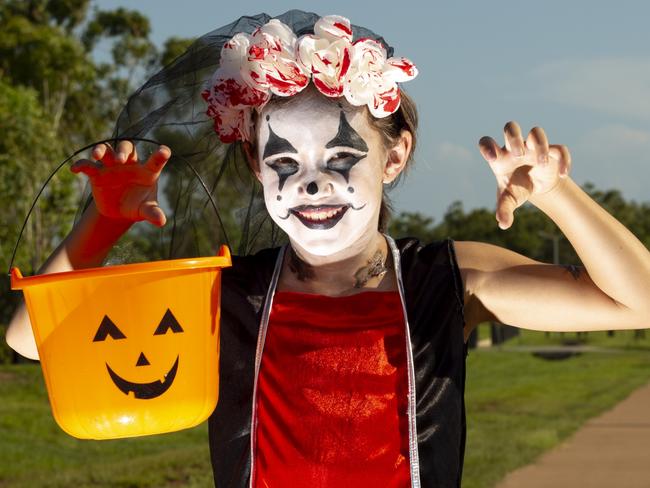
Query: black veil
column 169, row 109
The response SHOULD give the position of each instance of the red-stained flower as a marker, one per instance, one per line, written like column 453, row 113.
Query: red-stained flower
column 231, row 124
column 271, row 61
column 333, row 27
column 327, row 54
column 372, row 79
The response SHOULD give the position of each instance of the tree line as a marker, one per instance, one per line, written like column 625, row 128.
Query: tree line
column 532, row 233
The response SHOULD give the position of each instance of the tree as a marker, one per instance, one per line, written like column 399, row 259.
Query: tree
column 27, row 146
column 532, row 231
column 47, row 45
column 54, row 97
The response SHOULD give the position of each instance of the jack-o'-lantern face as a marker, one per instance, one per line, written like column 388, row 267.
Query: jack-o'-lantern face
column 141, row 390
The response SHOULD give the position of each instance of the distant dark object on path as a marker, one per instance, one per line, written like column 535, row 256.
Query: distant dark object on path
column 555, row 355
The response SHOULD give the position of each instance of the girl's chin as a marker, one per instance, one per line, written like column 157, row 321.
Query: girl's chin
column 325, row 243
column 321, row 248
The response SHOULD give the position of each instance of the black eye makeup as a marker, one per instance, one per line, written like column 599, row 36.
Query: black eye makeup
column 343, row 162
column 284, row 167
column 347, row 136
column 277, row 145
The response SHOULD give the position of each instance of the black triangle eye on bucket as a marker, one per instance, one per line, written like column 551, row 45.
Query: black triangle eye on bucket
column 113, row 141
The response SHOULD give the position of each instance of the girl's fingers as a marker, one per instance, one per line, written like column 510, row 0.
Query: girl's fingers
column 489, row 149
column 133, row 157
column 537, row 142
column 513, row 139
column 99, row 151
column 158, row 159
column 562, row 155
column 124, row 151
column 151, row 212
column 512, row 196
column 88, row 167
column 105, row 154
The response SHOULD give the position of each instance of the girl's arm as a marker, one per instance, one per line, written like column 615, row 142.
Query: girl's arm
column 86, row 246
column 124, row 192
column 611, row 292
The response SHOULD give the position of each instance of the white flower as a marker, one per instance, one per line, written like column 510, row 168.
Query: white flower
column 372, row 79
column 230, row 101
column 231, row 124
column 327, row 54
column 227, row 87
column 271, row 60
column 333, row 27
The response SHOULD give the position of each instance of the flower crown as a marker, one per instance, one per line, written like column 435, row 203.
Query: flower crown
column 273, row 61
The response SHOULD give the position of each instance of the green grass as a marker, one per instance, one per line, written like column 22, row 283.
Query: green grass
column 34, row 452
column 518, row 406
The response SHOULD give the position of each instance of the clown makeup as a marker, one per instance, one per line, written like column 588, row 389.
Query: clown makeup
column 322, row 171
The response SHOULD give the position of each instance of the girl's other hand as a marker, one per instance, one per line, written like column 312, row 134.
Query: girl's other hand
column 523, row 169
column 123, row 187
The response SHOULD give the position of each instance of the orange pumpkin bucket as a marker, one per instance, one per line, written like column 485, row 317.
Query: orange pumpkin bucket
column 129, row 350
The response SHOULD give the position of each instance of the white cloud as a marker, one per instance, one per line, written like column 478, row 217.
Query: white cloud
column 448, row 152
column 616, row 140
column 614, row 156
column 615, row 85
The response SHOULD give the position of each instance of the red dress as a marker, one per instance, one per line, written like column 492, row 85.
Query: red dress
column 332, row 393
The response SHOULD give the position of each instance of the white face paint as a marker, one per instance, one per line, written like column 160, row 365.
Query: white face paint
column 322, row 173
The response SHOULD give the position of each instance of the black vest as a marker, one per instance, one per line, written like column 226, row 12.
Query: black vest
column 433, row 292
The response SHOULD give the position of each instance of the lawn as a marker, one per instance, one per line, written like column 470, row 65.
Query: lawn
column 34, row 452
column 518, row 406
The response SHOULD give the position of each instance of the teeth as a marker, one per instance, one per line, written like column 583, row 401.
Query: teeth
column 321, row 215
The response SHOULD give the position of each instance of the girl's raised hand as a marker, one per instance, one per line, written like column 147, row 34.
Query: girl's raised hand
column 523, row 168
column 124, row 188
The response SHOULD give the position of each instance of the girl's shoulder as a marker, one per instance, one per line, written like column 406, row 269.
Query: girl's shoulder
column 431, row 266
column 413, row 250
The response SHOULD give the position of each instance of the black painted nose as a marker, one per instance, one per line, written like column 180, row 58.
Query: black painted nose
column 312, row 188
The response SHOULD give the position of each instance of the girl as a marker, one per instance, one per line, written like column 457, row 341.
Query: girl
column 343, row 353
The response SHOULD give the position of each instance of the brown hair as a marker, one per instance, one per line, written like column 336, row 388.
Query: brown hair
column 390, row 128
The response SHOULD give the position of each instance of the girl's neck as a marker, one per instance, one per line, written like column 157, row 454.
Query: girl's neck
column 365, row 266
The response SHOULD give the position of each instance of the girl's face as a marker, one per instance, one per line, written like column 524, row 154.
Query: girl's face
column 322, row 169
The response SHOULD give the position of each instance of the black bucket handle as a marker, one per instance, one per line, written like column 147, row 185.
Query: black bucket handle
column 105, row 141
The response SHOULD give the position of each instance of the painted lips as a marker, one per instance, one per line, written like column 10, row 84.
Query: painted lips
column 320, row 217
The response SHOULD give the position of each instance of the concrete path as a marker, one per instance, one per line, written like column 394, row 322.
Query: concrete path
column 609, row 451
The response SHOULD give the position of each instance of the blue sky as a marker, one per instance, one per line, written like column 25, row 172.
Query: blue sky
column 579, row 69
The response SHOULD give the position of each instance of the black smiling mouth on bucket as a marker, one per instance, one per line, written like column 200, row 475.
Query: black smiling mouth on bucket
column 144, row 391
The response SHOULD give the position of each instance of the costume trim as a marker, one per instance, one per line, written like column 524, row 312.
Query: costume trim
column 434, row 309
column 413, row 430
column 261, row 338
